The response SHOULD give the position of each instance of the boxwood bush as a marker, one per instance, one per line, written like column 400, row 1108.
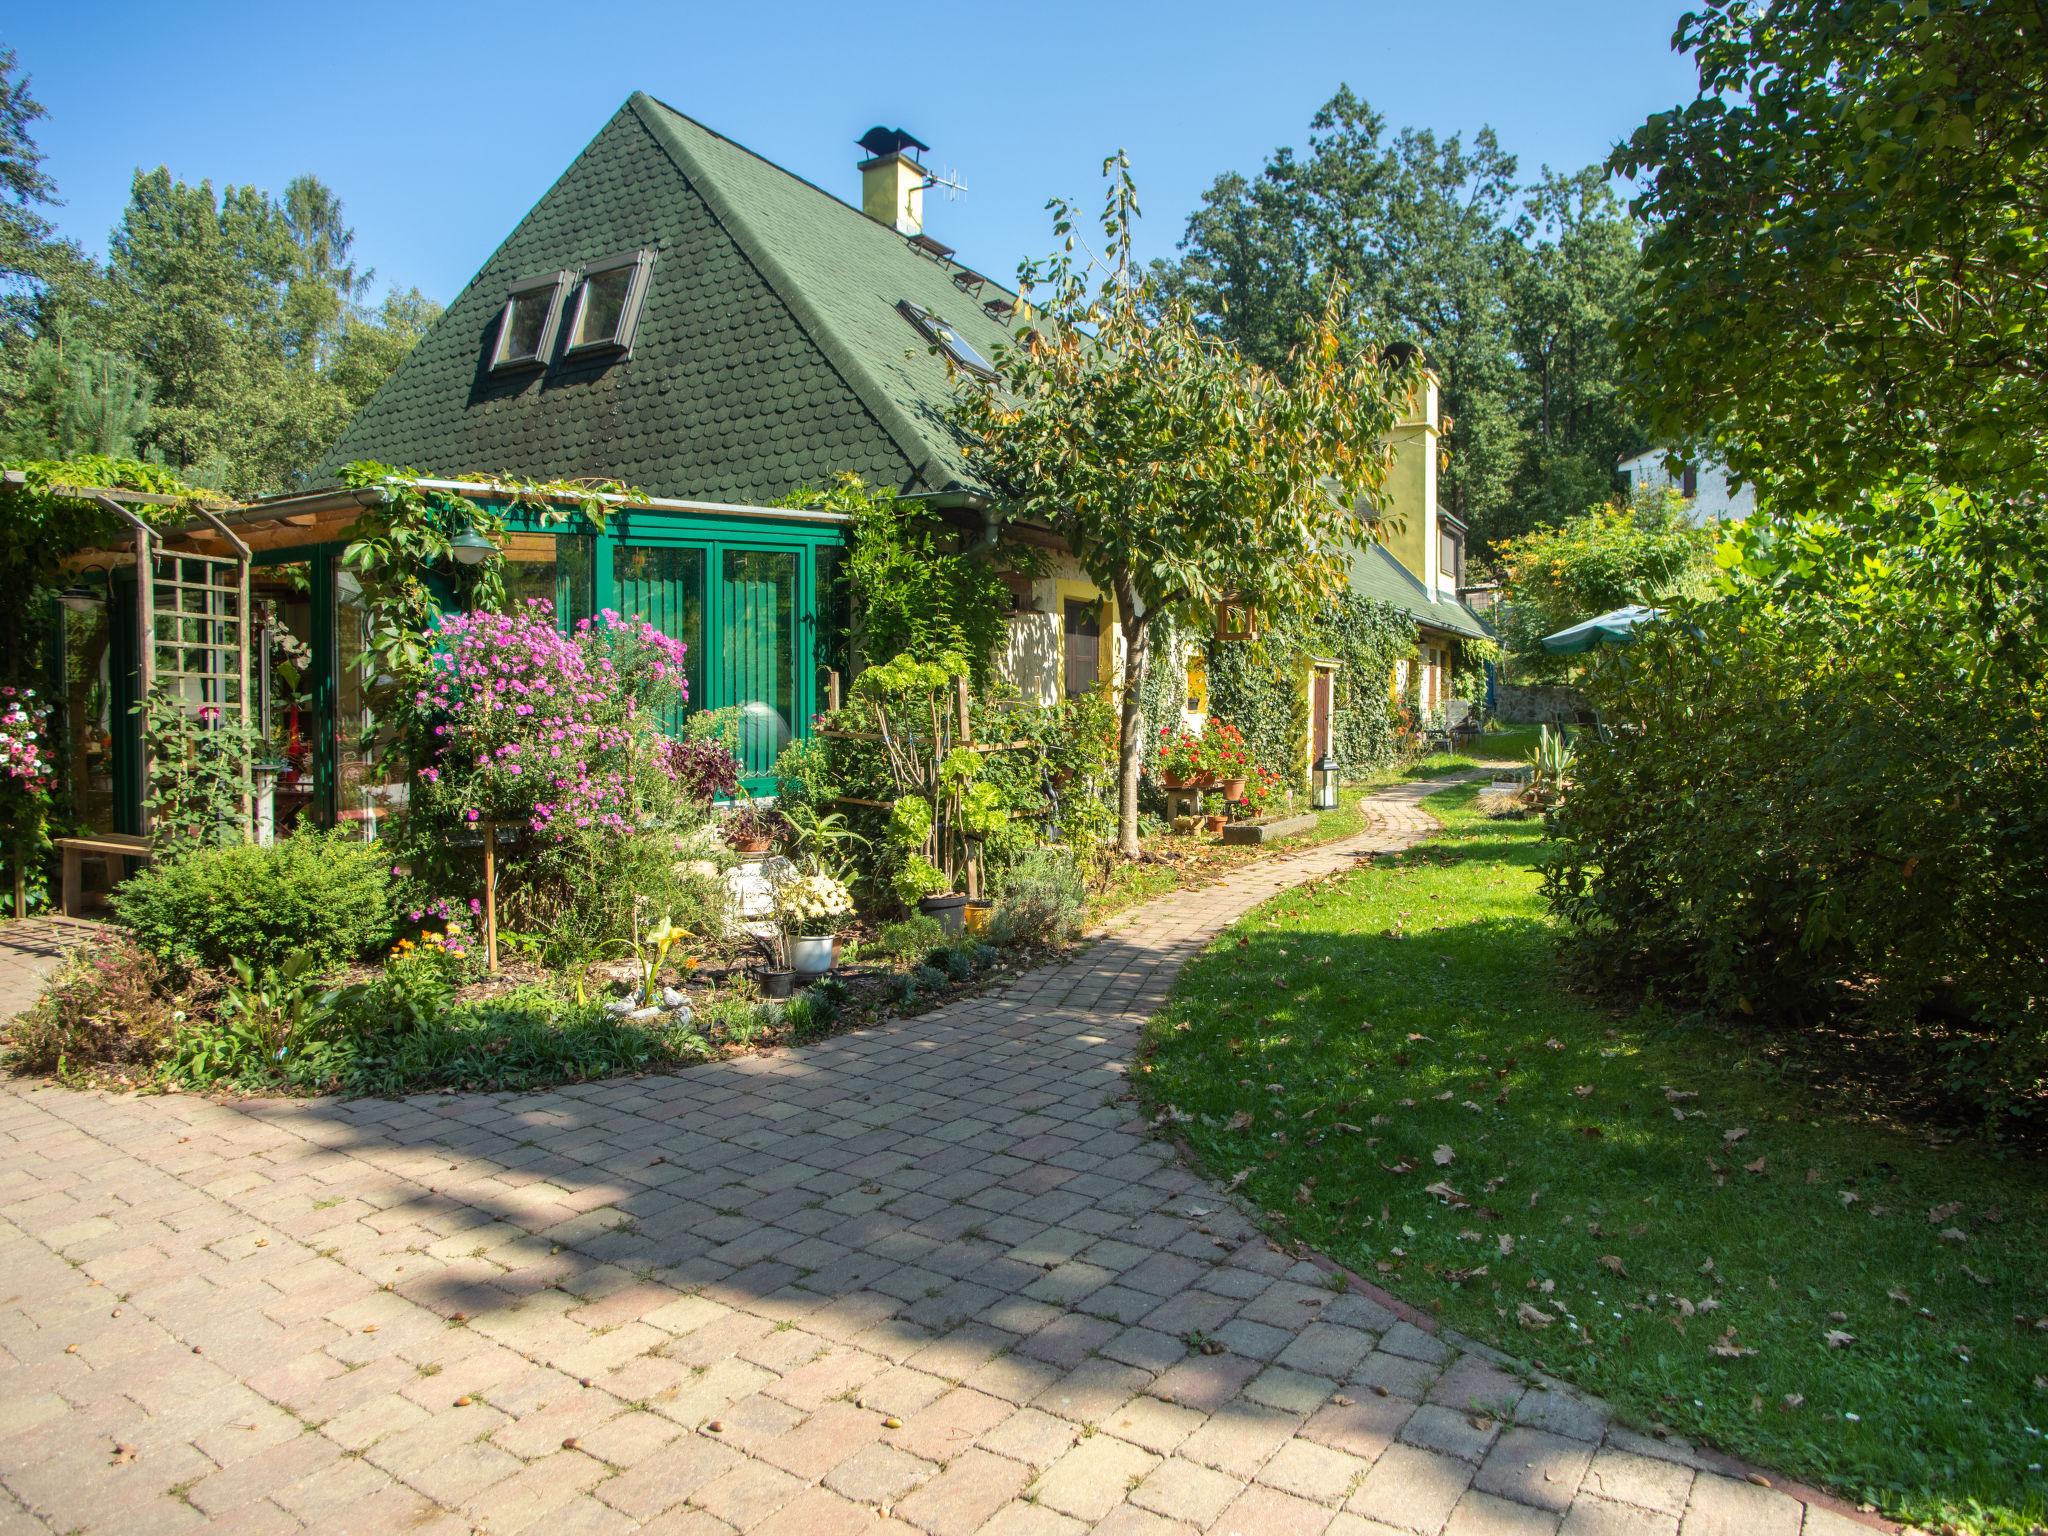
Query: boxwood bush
column 324, row 893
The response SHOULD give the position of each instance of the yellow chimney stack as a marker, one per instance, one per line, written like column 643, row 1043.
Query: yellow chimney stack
column 892, row 192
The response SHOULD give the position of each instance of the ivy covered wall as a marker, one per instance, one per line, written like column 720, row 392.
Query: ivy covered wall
column 1260, row 686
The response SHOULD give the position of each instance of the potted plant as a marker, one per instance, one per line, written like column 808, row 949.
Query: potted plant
column 807, row 910
column 1230, row 760
column 776, row 978
column 752, row 829
column 923, row 885
column 1184, row 760
column 1213, row 813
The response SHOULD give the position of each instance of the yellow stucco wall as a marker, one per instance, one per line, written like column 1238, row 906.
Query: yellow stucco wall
column 1408, row 505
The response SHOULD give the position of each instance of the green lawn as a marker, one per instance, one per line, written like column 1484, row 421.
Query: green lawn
column 1672, row 1215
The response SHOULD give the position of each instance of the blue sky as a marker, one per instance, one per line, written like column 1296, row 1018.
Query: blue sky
column 440, row 124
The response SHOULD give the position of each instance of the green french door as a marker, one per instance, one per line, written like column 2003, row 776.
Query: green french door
column 746, row 609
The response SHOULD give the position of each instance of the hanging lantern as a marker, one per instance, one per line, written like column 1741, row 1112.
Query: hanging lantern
column 1323, row 783
column 472, row 548
column 79, row 598
column 1236, row 620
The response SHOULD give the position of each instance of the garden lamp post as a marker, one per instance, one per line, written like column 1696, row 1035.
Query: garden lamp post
column 1323, row 783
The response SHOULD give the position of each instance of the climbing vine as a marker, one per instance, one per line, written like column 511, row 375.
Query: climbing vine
column 1259, row 685
column 395, row 547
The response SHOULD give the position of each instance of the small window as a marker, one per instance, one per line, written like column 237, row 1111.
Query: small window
column 608, row 303
column 1451, row 556
column 956, row 346
column 526, row 326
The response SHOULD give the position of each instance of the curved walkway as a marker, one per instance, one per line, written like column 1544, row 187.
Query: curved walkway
column 932, row 1277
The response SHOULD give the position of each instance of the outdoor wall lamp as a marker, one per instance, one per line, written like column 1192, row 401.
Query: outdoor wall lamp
column 1323, row 783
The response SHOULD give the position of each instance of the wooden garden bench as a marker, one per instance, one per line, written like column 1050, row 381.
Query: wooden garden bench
column 111, row 846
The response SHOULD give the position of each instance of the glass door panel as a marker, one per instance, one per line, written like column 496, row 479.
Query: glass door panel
column 369, row 786
column 760, row 605
column 664, row 584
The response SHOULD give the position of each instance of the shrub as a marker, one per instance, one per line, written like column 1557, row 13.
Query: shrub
column 325, row 894
column 915, row 935
column 1042, row 898
column 1826, row 795
column 112, row 1004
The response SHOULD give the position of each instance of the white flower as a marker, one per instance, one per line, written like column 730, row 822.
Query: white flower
column 811, row 898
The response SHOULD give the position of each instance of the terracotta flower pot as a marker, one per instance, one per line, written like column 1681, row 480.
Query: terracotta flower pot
column 1215, row 823
column 1233, row 790
column 752, row 844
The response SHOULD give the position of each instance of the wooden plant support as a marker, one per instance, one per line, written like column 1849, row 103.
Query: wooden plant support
column 490, row 896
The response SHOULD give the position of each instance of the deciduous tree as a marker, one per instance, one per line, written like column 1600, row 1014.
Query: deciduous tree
column 1846, row 276
column 1180, row 473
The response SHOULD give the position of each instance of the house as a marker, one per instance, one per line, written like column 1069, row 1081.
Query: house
column 1705, row 485
column 680, row 315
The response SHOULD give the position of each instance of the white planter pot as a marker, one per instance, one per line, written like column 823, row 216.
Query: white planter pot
column 811, row 956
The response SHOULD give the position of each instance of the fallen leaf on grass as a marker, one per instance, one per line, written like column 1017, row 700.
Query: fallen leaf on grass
column 1237, row 1179
column 1679, row 1096
column 1583, row 1090
column 1755, row 1167
column 1442, row 1156
column 1940, row 1213
column 1838, row 1339
column 1612, row 1261
column 1238, row 1121
column 1793, row 1401
column 1954, row 1235
column 1898, row 1294
column 1734, row 1134
column 1727, row 1348
column 1532, row 1317
column 1443, row 1191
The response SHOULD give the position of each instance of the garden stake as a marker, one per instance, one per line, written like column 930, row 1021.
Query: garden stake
column 490, row 896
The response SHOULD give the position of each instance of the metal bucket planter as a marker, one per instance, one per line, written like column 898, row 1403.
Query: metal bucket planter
column 812, row 956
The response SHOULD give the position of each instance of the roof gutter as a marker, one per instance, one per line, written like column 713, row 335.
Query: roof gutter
column 650, row 503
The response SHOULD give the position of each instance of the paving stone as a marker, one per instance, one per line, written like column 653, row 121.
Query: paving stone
column 878, row 1474
column 1313, row 1471
column 1481, row 1514
column 1642, row 1481
column 1035, row 1438
column 1533, row 1467
column 1726, row 1506
column 1455, row 1434
column 1094, row 1477
column 1412, row 1489
column 1269, row 1512
column 967, row 1494
column 943, row 1220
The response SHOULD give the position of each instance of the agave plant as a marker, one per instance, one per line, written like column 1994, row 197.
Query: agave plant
column 1550, row 764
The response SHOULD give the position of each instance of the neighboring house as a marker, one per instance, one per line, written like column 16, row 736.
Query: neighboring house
column 679, row 314
column 1705, row 485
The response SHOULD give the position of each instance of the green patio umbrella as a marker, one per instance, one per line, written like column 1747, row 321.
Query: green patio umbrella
column 1617, row 627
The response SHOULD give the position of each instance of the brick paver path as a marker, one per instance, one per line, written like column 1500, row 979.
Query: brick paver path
column 932, row 1277
column 30, row 949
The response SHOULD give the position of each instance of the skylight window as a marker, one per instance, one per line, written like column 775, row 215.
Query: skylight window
column 608, row 303
column 526, row 325
column 956, row 346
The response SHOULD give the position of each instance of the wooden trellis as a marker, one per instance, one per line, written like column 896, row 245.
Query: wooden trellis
column 193, row 611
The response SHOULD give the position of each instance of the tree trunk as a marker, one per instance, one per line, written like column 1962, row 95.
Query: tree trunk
column 1136, row 624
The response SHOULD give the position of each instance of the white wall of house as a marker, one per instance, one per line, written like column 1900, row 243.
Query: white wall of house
column 1713, row 499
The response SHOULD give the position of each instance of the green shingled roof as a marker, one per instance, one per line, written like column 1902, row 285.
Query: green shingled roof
column 770, row 354
column 1375, row 573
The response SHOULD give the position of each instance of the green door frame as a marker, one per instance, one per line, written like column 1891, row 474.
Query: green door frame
column 716, row 537
column 713, row 534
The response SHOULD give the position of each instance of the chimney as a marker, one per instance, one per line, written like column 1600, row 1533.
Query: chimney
column 892, row 181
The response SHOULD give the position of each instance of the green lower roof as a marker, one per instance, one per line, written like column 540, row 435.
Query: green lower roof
column 1376, row 574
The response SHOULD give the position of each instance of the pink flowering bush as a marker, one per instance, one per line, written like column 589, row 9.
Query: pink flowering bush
column 554, row 739
column 515, row 721
column 27, row 780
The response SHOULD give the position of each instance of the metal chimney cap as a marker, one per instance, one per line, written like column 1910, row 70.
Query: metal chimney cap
column 879, row 141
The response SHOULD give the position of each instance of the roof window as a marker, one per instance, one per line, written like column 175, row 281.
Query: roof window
column 944, row 336
column 608, row 303
column 526, row 325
